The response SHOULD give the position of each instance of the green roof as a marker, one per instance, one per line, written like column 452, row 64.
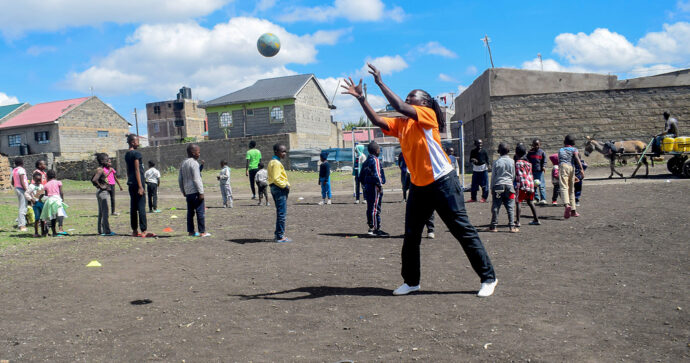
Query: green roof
column 6, row 110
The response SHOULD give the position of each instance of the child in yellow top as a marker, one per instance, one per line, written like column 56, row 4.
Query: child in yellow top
column 280, row 188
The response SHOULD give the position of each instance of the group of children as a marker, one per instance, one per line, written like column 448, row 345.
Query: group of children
column 518, row 180
column 40, row 201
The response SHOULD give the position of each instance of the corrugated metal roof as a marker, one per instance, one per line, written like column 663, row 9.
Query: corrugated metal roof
column 43, row 113
column 7, row 109
column 269, row 89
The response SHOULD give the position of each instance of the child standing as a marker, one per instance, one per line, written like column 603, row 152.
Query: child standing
column 100, row 181
column 20, row 184
column 34, row 196
column 537, row 157
column 224, row 180
column 525, row 184
column 567, row 157
column 111, row 175
column 41, row 169
column 325, row 179
column 502, row 177
column 153, row 181
column 135, row 185
column 54, row 206
column 554, row 179
column 192, row 187
column 262, row 183
column 373, row 178
column 280, row 188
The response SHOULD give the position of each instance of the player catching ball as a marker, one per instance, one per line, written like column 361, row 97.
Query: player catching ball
column 435, row 187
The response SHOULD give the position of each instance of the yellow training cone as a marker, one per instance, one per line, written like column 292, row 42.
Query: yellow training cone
column 94, row 263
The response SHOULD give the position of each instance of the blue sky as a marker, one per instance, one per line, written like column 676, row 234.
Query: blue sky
column 132, row 52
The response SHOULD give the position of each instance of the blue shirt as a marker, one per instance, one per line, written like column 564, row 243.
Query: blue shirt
column 566, row 155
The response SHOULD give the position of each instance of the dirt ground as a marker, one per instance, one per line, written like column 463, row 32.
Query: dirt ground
column 611, row 285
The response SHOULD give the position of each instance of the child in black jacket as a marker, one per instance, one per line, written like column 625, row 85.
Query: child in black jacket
column 373, row 178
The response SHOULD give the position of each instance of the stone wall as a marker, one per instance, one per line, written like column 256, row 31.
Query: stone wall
column 622, row 114
column 5, row 173
column 79, row 131
column 212, row 152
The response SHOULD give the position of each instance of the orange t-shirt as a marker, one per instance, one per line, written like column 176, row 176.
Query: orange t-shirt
column 420, row 142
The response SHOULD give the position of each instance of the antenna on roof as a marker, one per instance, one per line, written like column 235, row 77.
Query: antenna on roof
column 486, row 41
column 91, row 89
column 336, row 91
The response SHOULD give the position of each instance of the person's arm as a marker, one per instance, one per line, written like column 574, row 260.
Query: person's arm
column 579, row 163
column 117, row 181
column 198, row 182
column 396, row 102
column 158, row 178
column 356, row 92
column 180, row 181
column 97, row 176
column 246, row 168
column 137, row 175
column 25, row 182
column 543, row 161
column 62, row 196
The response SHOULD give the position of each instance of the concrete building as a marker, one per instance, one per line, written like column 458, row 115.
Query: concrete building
column 169, row 122
column 70, row 129
column 294, row 105
column 511, row 105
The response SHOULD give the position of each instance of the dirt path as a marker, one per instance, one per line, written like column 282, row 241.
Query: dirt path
column 612, row 285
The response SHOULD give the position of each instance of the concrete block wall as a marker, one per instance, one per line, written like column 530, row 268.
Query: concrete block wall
column 5, row 173
column 79, row 131
column 212, row 152
column 622, row 114
column 312, row 112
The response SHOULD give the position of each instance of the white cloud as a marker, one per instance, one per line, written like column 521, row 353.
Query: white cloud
column 347, row 107
column 435, row 48
column 387, row 65
column 7, row 100
column 37, row 50
column 446, row 78
column 159, row 59
column 683, row 6
column 18, row 17
column 352, row 10
column 264, row 5
column 604, row 51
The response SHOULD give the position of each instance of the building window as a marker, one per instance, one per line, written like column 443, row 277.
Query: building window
column 250, row 112
column 225, row 119
column 157, row 109
column 102, row 133
column 276, row 114
column 156, row 127
column 41, row 137
column 15, row 140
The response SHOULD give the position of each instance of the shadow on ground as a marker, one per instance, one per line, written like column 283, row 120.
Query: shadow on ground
column 315, row 292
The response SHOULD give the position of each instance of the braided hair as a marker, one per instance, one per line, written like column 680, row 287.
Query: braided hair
column 433, row 104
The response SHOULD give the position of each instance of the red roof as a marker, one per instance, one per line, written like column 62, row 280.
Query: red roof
column 43, row 113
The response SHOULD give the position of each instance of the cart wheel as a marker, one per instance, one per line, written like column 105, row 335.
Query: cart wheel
column 675, row 165
column 686, row 169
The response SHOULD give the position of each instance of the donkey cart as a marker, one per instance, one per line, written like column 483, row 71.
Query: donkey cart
column 679, row 151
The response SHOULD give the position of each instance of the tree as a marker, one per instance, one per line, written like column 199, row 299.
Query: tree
column 361, row 123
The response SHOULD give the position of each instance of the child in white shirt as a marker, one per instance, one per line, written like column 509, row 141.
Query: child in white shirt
column 153, row 180
column 225, row 188
column 262, row 182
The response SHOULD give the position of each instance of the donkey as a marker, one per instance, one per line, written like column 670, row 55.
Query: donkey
column 629, row 146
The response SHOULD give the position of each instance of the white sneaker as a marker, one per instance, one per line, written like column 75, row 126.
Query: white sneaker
column 371, row 232
column 357, row 201
column 329, row 202
column 405, row 289
column 431, row 235
column 487, row 289
column 321, row 203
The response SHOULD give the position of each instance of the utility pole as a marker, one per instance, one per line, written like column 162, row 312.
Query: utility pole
column 136, row 121
column 486, row 41
column 541, row 62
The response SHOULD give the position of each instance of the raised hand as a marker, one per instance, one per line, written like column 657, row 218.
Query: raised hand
column 352, row 89
column 374, row 72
